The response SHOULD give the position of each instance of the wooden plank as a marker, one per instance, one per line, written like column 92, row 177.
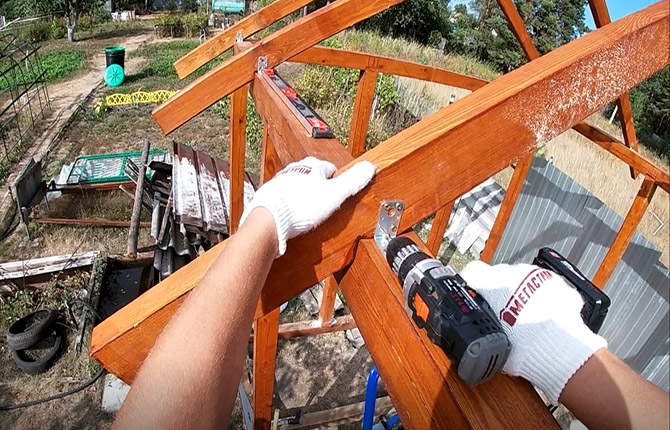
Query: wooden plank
column 313, row 328
column 464, row 144
column 440, row 224
column 328, row 301
column 265, row 355
column 625, row 154
column 248, row 26
column 382, row 406
column 626, row 232
column 238, row 130
column 88, row 222
column 425, row 389
column 40, row 266
column 391, row 66
column 511, row 196
column 134, row 230
column 601, row 17
column 360, row 119
column 279, row 47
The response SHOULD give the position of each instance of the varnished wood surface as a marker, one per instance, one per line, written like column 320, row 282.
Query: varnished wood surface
column 507, row 206
column 626, row 232
column 280, row 46
column 248, row 26
column 439, row 226
column 390, row 66
column 238, row 130
column 422, row 383
column 265, row 355
column 426, row 166
column 360, row 119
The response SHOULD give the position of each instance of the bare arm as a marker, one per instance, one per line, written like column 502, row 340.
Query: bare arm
column 190, row 378
column 607, row 394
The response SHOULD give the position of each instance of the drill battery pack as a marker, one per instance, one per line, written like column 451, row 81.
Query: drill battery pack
column 596, row 302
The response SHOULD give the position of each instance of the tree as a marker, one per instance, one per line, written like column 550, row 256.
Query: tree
column 480, row 29
column 412, row 19
column 73, row 10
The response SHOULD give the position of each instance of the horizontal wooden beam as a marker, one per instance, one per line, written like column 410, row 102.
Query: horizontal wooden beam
column 248, row 26
column 313, row 328
column 390, row 66
column 424, row 387
column 428, row 165
column 625, row 154
column 278, row 47
column 87, row 222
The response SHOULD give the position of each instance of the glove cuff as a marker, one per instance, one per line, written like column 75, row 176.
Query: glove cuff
column 281, row 215
column 556, row 355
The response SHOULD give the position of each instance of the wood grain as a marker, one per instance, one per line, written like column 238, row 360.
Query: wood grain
column 509, row 201
column 265, row 355
column 601, row 17
column 464, row 144
column 238, row 130
column 390, row 66
column 328, row 301
column 625, row 154
column 626, row 232
column 423, row 385
column 278, row 47
column 248, row 26
column 313, row 327
column 360, row 119
column 439, row 226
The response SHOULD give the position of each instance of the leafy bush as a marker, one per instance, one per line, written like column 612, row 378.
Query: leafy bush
column 58, row 30
column 192, row 23
column 84, row 23
column 435, row 38
column 171, row 6
column 170, row 25
column 37, row 32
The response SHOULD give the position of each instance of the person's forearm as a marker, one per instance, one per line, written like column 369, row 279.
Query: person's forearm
column 607, row 394
column 185, row 382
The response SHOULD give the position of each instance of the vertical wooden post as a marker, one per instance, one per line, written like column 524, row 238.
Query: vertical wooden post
column 328, row 300
column 265, row 354
column 506, row 208
column 601, row 17
column 133, row 232
column 440, row 223
column 238, row 129
column 360, row 119
column 625, row 233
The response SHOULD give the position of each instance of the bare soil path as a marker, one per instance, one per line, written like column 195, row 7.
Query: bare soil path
column 66, row 97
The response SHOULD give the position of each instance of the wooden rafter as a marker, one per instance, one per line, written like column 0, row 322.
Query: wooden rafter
column 426, row 166
column 601, row 17
column 279, row 47
column 248, row 26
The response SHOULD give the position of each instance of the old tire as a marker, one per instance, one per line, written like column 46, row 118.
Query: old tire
column 43, row 363
column 31, row 329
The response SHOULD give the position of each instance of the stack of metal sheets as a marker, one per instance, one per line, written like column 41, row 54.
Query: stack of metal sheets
column 194, row 215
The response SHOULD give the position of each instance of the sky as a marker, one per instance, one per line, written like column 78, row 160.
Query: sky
column 619, row 9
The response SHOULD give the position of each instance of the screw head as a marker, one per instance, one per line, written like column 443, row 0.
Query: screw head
column 398, row 206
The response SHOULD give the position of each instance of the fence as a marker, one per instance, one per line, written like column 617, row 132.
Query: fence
column 554, row 210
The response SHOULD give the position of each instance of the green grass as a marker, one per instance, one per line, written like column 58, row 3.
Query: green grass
column 58, row 66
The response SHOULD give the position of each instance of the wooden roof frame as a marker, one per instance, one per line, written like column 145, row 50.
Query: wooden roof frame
column 428, row 166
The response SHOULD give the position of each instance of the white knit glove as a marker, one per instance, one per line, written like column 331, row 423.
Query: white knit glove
column 540, row 314
column 302, row 196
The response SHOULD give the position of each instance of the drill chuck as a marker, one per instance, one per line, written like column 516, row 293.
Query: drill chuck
column 455, row 317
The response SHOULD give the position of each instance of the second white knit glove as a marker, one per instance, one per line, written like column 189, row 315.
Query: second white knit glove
column 540, row 314
column 302, row 196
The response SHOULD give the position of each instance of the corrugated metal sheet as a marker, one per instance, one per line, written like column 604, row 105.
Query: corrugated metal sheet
column 553, row 210
column 473, row 217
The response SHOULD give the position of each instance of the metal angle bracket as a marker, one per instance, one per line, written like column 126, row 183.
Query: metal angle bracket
column 388, row 223
column 262, row 64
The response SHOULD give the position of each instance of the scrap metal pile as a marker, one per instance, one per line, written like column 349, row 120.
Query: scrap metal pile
column 190, row 206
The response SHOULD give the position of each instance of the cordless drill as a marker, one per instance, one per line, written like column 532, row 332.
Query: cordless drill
column 456, row 318
column 596, row 302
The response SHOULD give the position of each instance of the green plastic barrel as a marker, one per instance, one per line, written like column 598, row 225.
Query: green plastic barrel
column 114, row 75
column 115, row 55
